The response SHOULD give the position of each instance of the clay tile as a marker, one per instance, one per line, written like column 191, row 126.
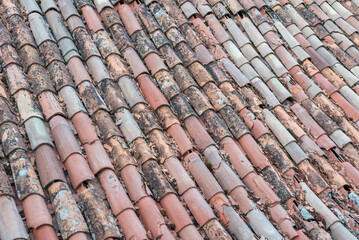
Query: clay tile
column 217, row 73
column 128, row 125
column 135, row 62
column 166, row 117
column 143, row 44
column 167, row 84
column 8, row 55
column 65, row 141
column 111, row 95
column 24, row 176
column 148, row 20
column 128, row 18
column 189, row 9
column 105, row 44
column 158, row 184
column 97, row 69
column 261, row 188
column 48, row 165
column 36, row 211
column 29, row 56
column 71, row 54
column 180, row 137
column 159, row 39
column 203, row 54
column 84, row 128
column 73, row 222
column 80, row 4
column 101, row 220
column 286, row 58
column 116, row 66
column 11, row 138
column 163, row 144
column 67, row 46
column 27, row 107
column 92, row 20
column 130, row 91
column 7, row 113
column 39, row 29
column 75, row 22
column 187, row 55
column 109, row 16
column 93, row 100
column 310, row 68
column 216, row 96
column 198, row 100
column 181, row 107
column 162, row 17
column 49, row 5
column 107, row 127
column 234, row 123
column 78, row 169
column 193, row 39
column 5, row 187
column 37, row 133
column 257, row 128
column 247, row 4
column 235, row 73
column 216, row 126
column 60, row 76
column 217, row 29
column 45, row 231
column 5, row 36
column 78, row 71
column 296, row 153
column 278, row 129
column 175, row 36
column 85, row 44
column 15, row 79
column 154, row 63
column 50, row 52
column 135, row 186
column 58, row 28
column 31, row 6
column 97, row 157
column 120, row 36
column 170, row 56
column 320, row 62
column 144, row 118
column 324, row 84
column 152, row 94
column 72, row 101
column 115, row 193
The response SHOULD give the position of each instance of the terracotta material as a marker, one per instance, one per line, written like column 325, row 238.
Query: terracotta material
column 93, row 22
column 198, row 132
column 128, row 18
column 45, row 232
column 136, row 187
column 76, row 164
column 36, row 211
column 50, row 105
column 48, row 165
column 154, row 63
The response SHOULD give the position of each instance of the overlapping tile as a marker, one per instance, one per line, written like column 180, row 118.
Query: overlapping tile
column 189, row 99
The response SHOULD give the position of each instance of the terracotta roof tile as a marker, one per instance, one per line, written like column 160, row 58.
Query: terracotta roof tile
column 213, row 97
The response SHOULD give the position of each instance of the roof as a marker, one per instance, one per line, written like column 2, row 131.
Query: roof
column 235, row 119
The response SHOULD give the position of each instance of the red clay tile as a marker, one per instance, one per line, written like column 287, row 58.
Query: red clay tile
column 48, row 165
column 78, row 71
column 152, row 94
column 175, row 212
column 50, row 105
column 78, row 169
column 36, row 211
column 349, row 109
column 45, row 232
column 154, row 63
column 130, row 225
column 325, row 142
column 237, row 157
column 92, row 19
column 84, row 128
column 135, row 62
column 128, row 18
column 134, row 183
column 254, row 152
column 182, row 140
column 198, row 133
